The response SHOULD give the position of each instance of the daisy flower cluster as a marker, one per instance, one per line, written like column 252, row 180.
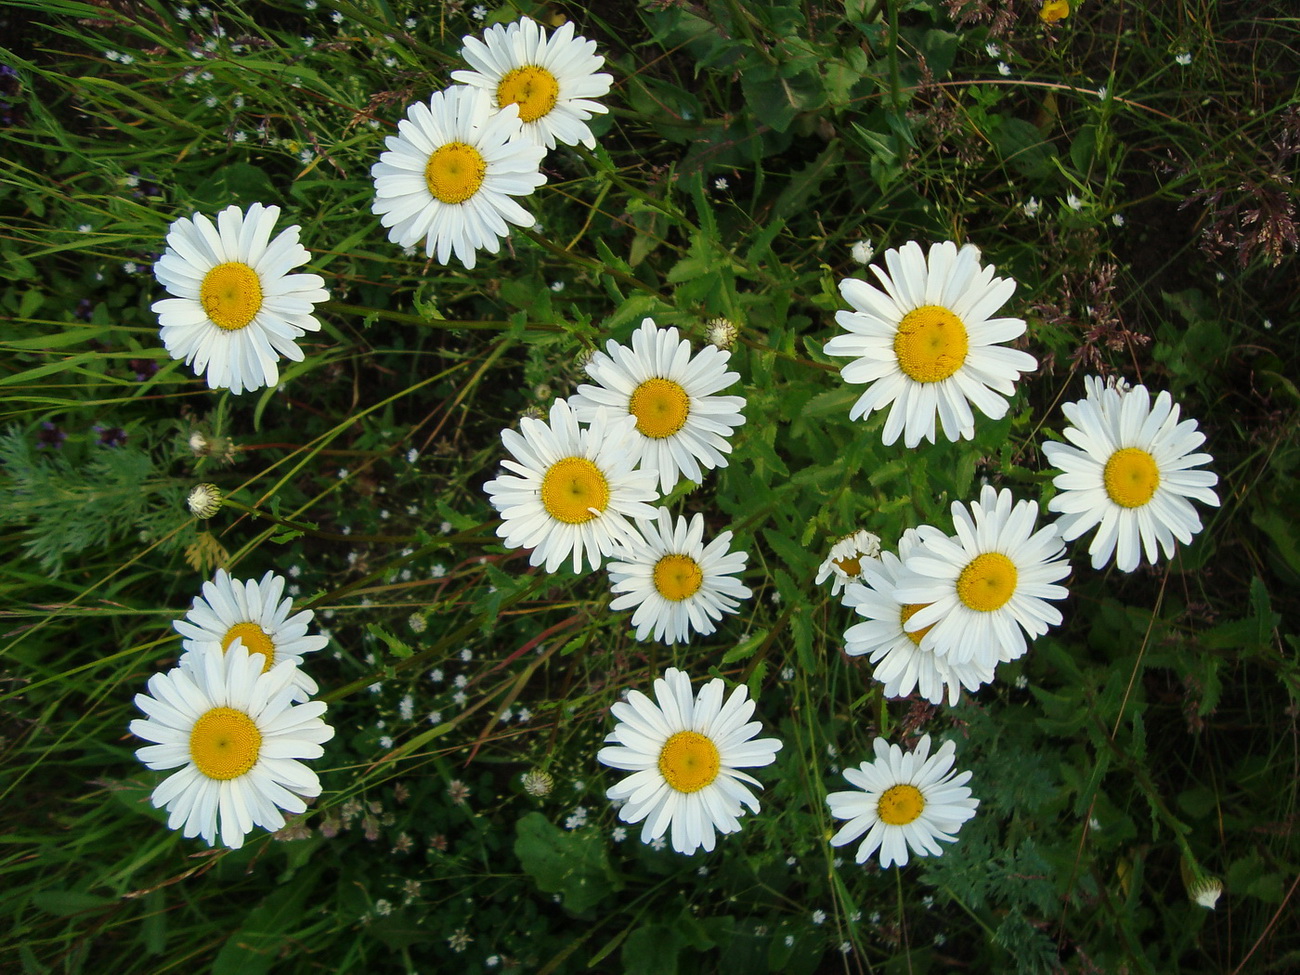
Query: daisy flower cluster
column 234, row 716
column 453, row 172
column 581, row 487
column 943, row 612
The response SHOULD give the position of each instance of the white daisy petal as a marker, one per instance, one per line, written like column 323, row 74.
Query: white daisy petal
column 571, row 491
column 230, row 779
column 1126, row 472
column 449, row 177
column 232, row 294
column 906, row 801
column 925, row 343
column 681, row 425
column 685, row 751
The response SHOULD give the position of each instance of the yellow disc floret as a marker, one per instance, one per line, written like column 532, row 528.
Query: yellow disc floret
column 660, row 406
column 254, row 639
column 574, row 491
column 689, row 761
column 850, row 567
column 987, row 582
column 224, row 743
column 900, row 805
column 532, row 88
column 931, row 344
column 231, row 295
column 678, row 577
column 455, row 172
column 1131, row 477
column 907, row 612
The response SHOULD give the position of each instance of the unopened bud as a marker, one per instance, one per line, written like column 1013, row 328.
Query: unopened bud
column 723, row 333
column 538, row 783
column 204, row 500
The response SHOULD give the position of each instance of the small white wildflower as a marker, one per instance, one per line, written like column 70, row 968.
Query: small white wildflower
column 435, row 675
column 658, row 843
column 183, row 13
column 775, row 597
column 1117, row 219
column 787, row 673
column 410, row 23
column 438, row 571
column 376, row 687
column 863, row 251
column 310, row 5
column 492, row 961
column 337, row 17
column 460, row 697
column 1073, row 201
column 293, row 589
column 478, row 11
column 523, row 715
column 390, row 61
column 618, row 834
column 342, row 473
column 577, row 819
column 461, row 680
column 1022, row 682
column 1004, row 69
column 721, row 183
column 992, row 50
column 112, row 55
column 406, row 707
column 1184, row 58
column 435, row 717
column 927, row 901
column 412, row 456
column 238, row 101
column 385, row 742
column 845, row 947
column 383, row 907
column 306, row 156
column 791, row 861
column 85, row 228
column 1102, row 93
column 240, row 136
column 557, row 286
column 940, row 940
column 130, row 267
column 819, row 917
column 466, row 654
column 445, row 528
column 789, row 940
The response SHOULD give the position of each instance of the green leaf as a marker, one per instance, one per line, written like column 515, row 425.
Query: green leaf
column 572, row 863
column 65, row 903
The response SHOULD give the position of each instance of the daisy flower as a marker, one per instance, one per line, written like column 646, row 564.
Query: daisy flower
column 235, row 309
column 252, row 613
column 981, row 588
column 570, row 491
column 676, row 582
column 681, row 425
column 926, row 343
column 552, row 80
column 1130, row 472
column 843, row 566
column 450, row 174
column 684, row 754
column 903, row 802
column 902, row 664
column 238, row 740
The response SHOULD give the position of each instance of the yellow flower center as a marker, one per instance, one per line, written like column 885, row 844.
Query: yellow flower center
column 689, row 761
column 1054, row 10
column 660, row 406
column 231, row 294
column 931, row 344
column 907, row 612
column 454, row 172
column 574, row 491
column 224, row 743
column 678, row 577
column 987, row 582
column 850, row 567
column 532, row 88
column 1131, row 477
column 900, row 805
column 254, row 639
